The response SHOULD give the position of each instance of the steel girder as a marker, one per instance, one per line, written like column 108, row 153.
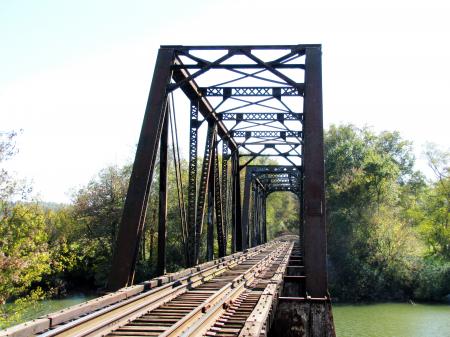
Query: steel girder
column 260, row 116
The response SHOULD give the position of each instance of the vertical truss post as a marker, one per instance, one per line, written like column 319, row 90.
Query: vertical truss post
column 124, row 258
column 225, row 193
column 203, row 187
column 259, row 228
column 255, row 216
column 302, row 214
column 314, row 187
column 218, row 198
column 246, row 208
column 211, row 200
column 264, row 224
column 162, row 221
column 192, row 181
column 236, row 203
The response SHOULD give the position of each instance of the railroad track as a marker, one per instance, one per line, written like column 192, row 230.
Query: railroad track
column 233, row 296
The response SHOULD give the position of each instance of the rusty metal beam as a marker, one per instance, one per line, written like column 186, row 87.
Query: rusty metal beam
column 207, row 168
column 211, row 201
column 246, row 207
column 236, row 204
column 192, row 91
column 296, row 47
column 162, row 214
column 314, row 186
column 124, row 258
column 219, row 201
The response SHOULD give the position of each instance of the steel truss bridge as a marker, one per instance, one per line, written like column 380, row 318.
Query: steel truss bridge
column 235, row 104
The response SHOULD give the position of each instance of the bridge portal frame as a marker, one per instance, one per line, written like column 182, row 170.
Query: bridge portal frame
column 169, row 68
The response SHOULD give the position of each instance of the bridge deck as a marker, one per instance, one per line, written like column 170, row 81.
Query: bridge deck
column 232, row 296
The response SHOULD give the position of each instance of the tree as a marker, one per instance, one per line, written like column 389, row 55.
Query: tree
column 372, row 251
column 9, row 186
column 435, row 225
column 97, row 208
column 24, row 257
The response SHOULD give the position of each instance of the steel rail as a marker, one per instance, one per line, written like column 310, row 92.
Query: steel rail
column 201, row 326
column 108, row 319
column 199, row 299
column 196, row 325
column 55, row 319
column 260, row 316
column 206, row 271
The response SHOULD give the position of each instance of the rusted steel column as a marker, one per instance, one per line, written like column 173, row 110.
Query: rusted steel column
column 259, row 222
column 192, row 181
column 314, row 186
column 219, row 206
column 162, row 221
column 236, row 203
column 255, row 216
column 264, row 219
column 207, row 167
column 224, row 192
column 302, row 215
column 246, row 207
column 124, row 258
column 211, row 195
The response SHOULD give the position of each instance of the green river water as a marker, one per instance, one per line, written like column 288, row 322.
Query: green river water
column 392, row 320
column 363, row 320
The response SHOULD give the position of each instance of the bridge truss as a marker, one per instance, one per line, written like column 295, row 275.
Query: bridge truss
column 249, row 102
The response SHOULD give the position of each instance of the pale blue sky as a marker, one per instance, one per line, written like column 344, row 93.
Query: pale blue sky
column 74, row 75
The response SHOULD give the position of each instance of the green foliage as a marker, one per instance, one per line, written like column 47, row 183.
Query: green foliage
column 24, row 257
column 433, row 281
column 434, row 223
column 373, row 251
column 9, row 186
column 96, row 211
column 282, row 214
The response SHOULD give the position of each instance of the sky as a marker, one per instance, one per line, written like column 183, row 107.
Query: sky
column 75, row 75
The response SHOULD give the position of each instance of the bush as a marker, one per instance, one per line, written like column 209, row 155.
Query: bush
column 433, row 282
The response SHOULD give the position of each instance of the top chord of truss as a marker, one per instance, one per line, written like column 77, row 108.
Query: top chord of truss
column 267, row 47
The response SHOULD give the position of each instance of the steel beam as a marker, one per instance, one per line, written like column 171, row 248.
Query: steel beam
column 218, row 198
column 224, row 191
column 207, row 166
column 227, row 92
column 211, row 202
column 267, row 134
column 162, row 214
column 298, row 48
column 192, row 181
column 255, row 216
column 260, row 116
column 236, row 203
column 264, row 218
column 192, row 91
column 246, row 207
column 314, row 186
column 124, row 257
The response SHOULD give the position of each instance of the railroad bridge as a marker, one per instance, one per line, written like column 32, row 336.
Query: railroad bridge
column 235, row 104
